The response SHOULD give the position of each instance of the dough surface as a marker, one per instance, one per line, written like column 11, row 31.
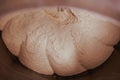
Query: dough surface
column 61, row 40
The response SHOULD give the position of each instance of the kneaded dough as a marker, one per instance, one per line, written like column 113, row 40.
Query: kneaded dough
column 61, row 40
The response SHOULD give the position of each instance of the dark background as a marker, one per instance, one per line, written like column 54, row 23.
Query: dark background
column 10, row 67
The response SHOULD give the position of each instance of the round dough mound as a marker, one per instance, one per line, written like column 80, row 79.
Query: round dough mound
column 61, row 40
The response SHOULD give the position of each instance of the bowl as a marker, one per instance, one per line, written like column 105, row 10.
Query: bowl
column 12, row 69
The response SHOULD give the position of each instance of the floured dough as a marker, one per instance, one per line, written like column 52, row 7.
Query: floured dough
column 61, row 40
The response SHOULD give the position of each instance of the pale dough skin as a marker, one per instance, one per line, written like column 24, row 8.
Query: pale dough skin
column 61, row 40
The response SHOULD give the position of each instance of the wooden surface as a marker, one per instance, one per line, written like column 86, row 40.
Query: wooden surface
column 10, row 67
